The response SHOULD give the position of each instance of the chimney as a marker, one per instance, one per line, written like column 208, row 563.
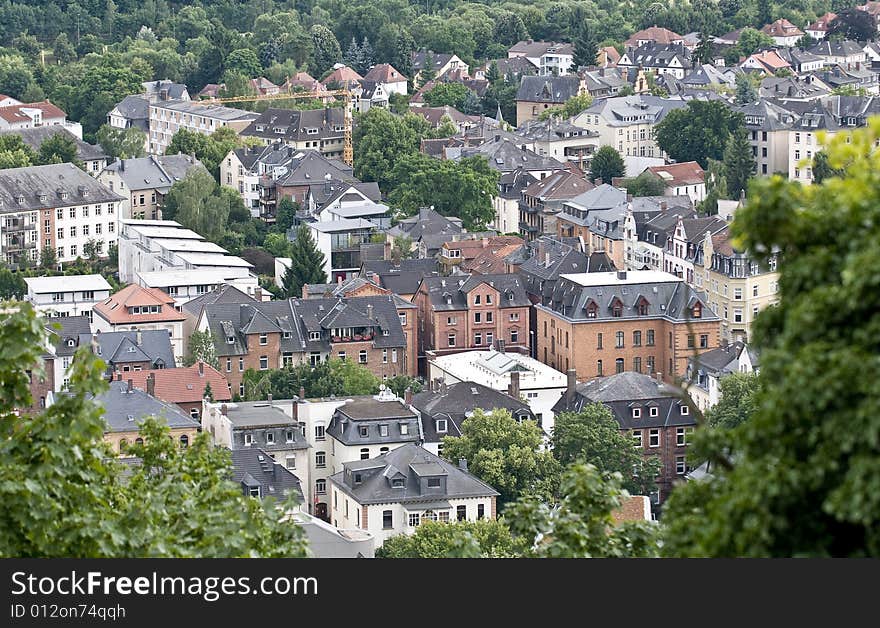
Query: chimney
column 621, row 274
column 407, row 395
column 151, row 385
column 443, row 387
column 269, row 398
column 121, row 165
column 547, row 259
column 571, row 386
column 370, row 311
column 513, row 387
column 462, row 464
column 201, row 368
column 139, row 337
column 130, row 385
column 629, row 198
column 258, row 294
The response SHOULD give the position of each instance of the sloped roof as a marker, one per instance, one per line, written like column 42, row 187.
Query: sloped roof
column 384, row 73
column 782, row 28
column 684, row 173
column 548, row 89
column 119, row 404
column 656, row 34
column 115, row 308
column 184, row 384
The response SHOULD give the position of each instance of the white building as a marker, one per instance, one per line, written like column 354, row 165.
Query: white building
column 185, row 285
column 551, row 58
column 167, row 118
column 71, row 295
column 706, row 372
column 540, row 385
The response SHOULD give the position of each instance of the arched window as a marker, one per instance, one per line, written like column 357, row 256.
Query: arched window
column 618, row 363
column 429, row 515
column 184, row 441
column 139, row 441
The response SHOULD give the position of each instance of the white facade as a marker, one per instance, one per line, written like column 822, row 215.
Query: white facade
column 169, row 117
column 185, row 285
column 540, row 385
column 802, row 147
column 72, row 295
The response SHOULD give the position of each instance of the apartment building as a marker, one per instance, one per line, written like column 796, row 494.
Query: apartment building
column 168, row 117
column 318, row 129
column 145, row 181
column 70, row 295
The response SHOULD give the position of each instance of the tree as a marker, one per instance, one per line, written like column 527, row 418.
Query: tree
column 818, row 351
column 452, row 94
column 486, row 538
column 381, row 139
column 585, row 48
column 48, row 258
column 571, row 108
column 581, row 525
column 746, row 89
column 326, row 49
column 853, row 24
column 697, row 132
column 14, row 153
column 357, row 379
column 195, row 203
column 504, row 453
column 364, row 60
column 63, row 50
column 208, row 393
column 201, row 347
column 607, row 164
column 245, row 61
column 765, row 15
column 401, row 57
column 209, row 149
column 401, row 249
column 12, row 286
column 399, row 383
column 277, row 245
column 509, row 28
column 178, row 503
column 739, row 164
column 737, row 402
column 705, row 50
column 646, row 184
column 716, row 188
column 352, row 54
column 594, row 436
column 122, row 143
column 15, row 75
column 60, row 148
column 306, row 263
column 751, row 41
column 427, row 73
column 285, row 214
column 821, row 169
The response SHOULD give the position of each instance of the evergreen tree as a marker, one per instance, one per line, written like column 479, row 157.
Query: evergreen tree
column 208, row 393
column 704, row 51
column 427, row 73
column 585, row 48
column 48, row 258
column 306, row 263
column 765, row 14
column 352, row 54
column 739, row 164
column 606, row 164
column 745, row 89
column 364, row 57
column 493, row 73
column 401, row 59
column 327, row 50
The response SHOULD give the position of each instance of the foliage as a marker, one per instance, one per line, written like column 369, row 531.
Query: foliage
column 853, row 24
column 201, row 347
column 209, row 149
column 581, row 525
column 326, row 48
column 285, row 213
column 452, row 94
column 607, row 164
column 197, row 203
column 14, row 153
column 697, row 132
column 809, row 446
column 325, row 379
column 401, row 249
column 306, row 263
column 277, row 245
column 751, row 41
column 585, row 48
column 705, row 50
column 12, row 286
column 506, row 454
column 746, row 88
column 381, row 139
column 571, row 108
column 821, row 169
column 486, row 538
column 737, row 402
column 594, row 436
column 121, row 143
column 58, row 149
column 739, row 163
column 399, row 383
column 646, row 184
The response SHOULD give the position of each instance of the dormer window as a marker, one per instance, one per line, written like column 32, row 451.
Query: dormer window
column 358, row 478
column 230, row 340
column 441, row 426
column 404, row 429
column 654, row 411
column 398, row 483
column 363, row 430
column 592, row 310
column 642, row 307
column 697, row 310
column 685, row 410
column 314, row 335
column 616, row 308
column 637, row 413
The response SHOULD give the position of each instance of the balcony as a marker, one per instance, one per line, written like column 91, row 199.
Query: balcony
column 351, row 334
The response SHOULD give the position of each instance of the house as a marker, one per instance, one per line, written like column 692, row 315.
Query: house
column 402, row 277
column 435, row 115
column 647, row 229
column 768, row 126
column 194, row 308
column 70, row 295
column 325, row 541
column 131, row 352
column 261, row 86
column 55, row 206
column 705, row 75
column 343, row 77
column 145, row 181
column 160, row 91
column 391, row 81
column 652, row 413
column 627, row 122
column 378, row 332
column 211, row 91
column 492, row 260
column 737, row 287
column 859, row 79
column 642, row 320
column 537, row 93
column 541, row 202
column 652, row 35
column 793, row 89
column 125, row 408
column 35, row 114
column 663, row 59
column 260, row 425
column 511, row 68
column 471, row 312
column 560, row 139
column 783, row 32
column 302, row 82
column 428, row 230
column 396, row 492
column 766, row 61
column 185, row 387
column 707, row 370
column 441, row 63
column 551, row 58
column 682, row 179
column 523, row 378
column 132, row 112
column 819, row 29
column 845, row 53
column 444, row 408
column 185, row 285
column 683, row 247
column 61, row 343
column 319, row 129
column 168, row 117
column 463, row 253
column 596, row 216
column 260, row 476
column 92, row 156
column 147, row 246
column 135, row 308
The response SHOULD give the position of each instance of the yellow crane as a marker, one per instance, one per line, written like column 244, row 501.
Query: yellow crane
column 347, row 150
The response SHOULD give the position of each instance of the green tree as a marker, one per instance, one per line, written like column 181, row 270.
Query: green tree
column 509, row 28
column 607, row 164
column 821, row 169
column 646, row 184
column 15, row 75
column 277, row 245
column 751, row 41
column 48, row 258
column 739, row 164
column 14, row 153
column 201, row 347
column 594, row 436
column 765, row 14
column 737, row 402
column 506, row 454
column 808, row 445
column 571, row 108
column 244, row 61
column 122, row 143
column 12, row 286
column 306, row 263
column 585, row 47
column 401, row 249
column 380, row 139
column 716, row 188
column 195, row 203
column 208, row 393
column 357, row 379
column 63, row 50
column 853, row 24
column 486, row 538
column 705, row 50
column 746, row 89
column 60, row 148
column 427, row 73
column 582, row 525
column 285, row 214
column 452, row 94
column 209, row 149
column 326, row 49
column 697, row 132
column 399, row 383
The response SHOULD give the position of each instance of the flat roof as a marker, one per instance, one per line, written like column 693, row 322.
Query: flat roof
column 343, row 224
column 178, row 233
column 161, row 278
column 483, row 366
column 68, row 283
column 214, row 259
column 613, row 278
column 195, row 246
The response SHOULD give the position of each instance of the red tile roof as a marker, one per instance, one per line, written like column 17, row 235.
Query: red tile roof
column 183, row 385
column 343, row 75
column 656, row 34
column 770, row 59
column 115, row 309
column 782, row 28
column 384, row 73
column 685, row 173
column 491, row 261
column 823, row 23
column 12, row 113
column 632, row 508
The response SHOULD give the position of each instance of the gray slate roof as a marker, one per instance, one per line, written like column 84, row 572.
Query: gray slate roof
column 154, row 172
column 548, row 89
column 223, row 293
column 34, row 137
column 136, row 109
column 255, row 468
column 124, row 410
column 450, row 293
column 409, row 462
column 426, row 222
column 371, row 413
column 69, row 329
column 506, row 156
column 53, row 181
column 122, row 347
column 296, row 123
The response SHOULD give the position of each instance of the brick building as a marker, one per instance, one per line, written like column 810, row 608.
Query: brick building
column 643, row 321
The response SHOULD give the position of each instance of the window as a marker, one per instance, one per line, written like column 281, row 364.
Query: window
column 59, row 214
column 481, row 511
column 383, row 451
column 414, row 519
column 680, row 465
column 319, row 432
column 478, row 317
column 619, row 340
column 73, row 212
column 651, row 365
column 489, row 317
column 320, row 459
column 321, row 487
column 685, row 410
column 433, row 482
column 342, row 355
column 288, row 436
column 637, row 438
column 654, row 411
column 461, row 513
column 478, row 339
column 755, row 290
column 384, row 356
column 290, row 462
column 264, row 340
column 637, row 413
column 404, row 429
column 450, row 340
column 737, row 313
column 451, row 320
column 690, row 341
column 514, row 316
column 649, row 338
column 444, row 516
column 598, row 341
column 441, row 425
column 73, row 249
column 654, row 438
column 387, row 520
column 704, row 341
column 270, row 438
column 383, row 430
column 362, row 356
column 73, row 232
column 402, row 319
column 363, row 430
column 240, row 365
column 398, row 483
column 248, row 440
column 394, row 356
column 680, row 437
column 476, row 299
column 228, row 365
column 365, row 453
column 599, row 368
column 60, row 234
column 618, row 365
column 637, row 339
column 264, row 362
column 637, row 364
column 738, row 294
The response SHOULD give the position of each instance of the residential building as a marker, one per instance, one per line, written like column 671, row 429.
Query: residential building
column 135, row 308
column 341, row 242
column 185, row 387
column 801, row 61
column 541, row 202
column 604, row 81
column 560, row 139
column 378, row 332
column 819, row 29
column 652, row 35
column 35, row 114
column 783, row 32
column 326, row 541
column 396, row 492
column 538, row 93
column 627, row 122
column 145, row 181
column 492, row 260
column 168, row 117
column 518, row 375
column 511, row 68
column 56, row 206
column 441, row 63
column 185, row 285
column 596, row 216
column 92, row 156
column 737, row 287
column 793, row 89
column 261, row 476
column 647, row 229
column 551, row 58
column 768, row 126
column 671, row 59
column 683, row 245
column 845, row 53
column 61, row 343
column 767, row 61
column 707, row 370
column 460, row 312
column 343, row 77
column 428, row 230
column 462, row 254
column 128, row 352
column 148, row 246
column 643, row 321
column 388, row 78
column 401, row 278
column 652, row 413
column 682, row 179
column 319, row 129
column 132, row 112
column 69, row 295
column 261, row 86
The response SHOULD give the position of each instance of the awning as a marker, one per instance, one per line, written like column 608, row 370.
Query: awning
column 412, row 507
